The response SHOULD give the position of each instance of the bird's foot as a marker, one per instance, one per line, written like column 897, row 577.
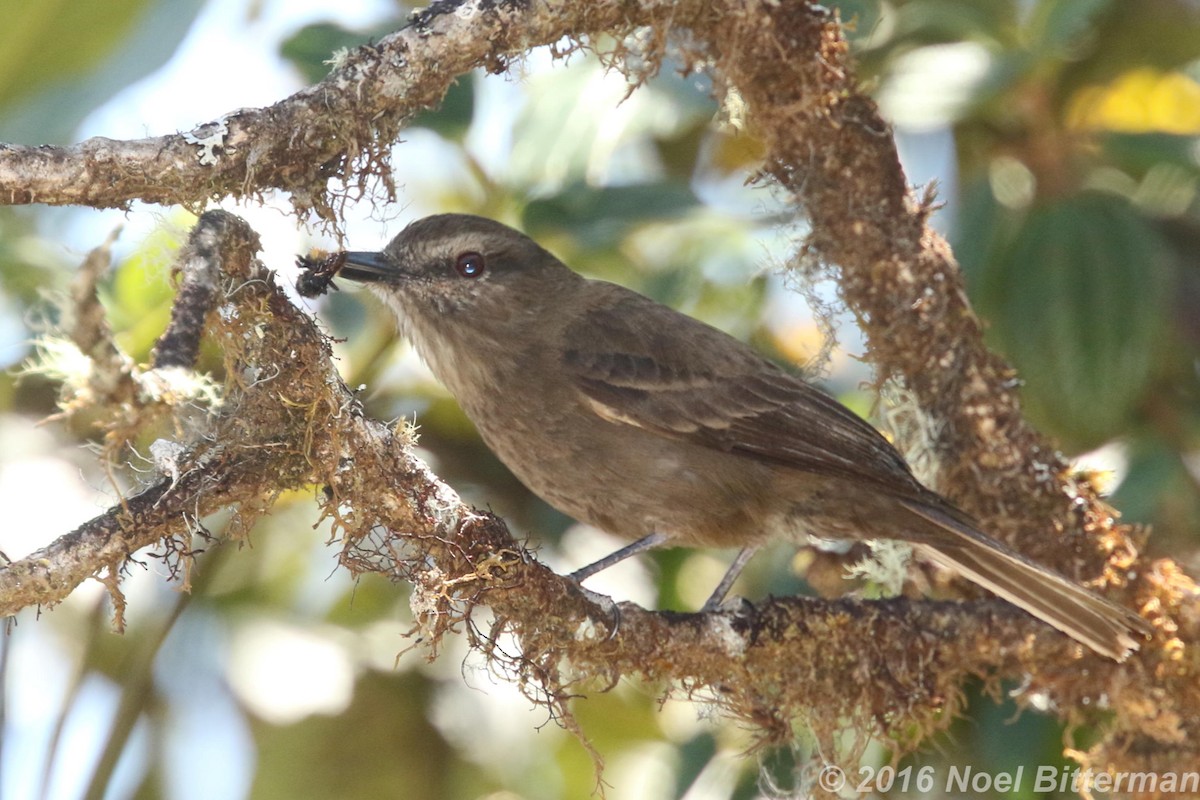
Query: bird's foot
column 608, row 607
column 717, row 598
column 734, row 604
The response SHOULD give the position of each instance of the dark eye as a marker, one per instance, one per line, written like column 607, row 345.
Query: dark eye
column 469, row 265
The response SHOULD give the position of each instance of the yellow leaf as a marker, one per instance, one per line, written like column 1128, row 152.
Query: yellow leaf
column 1139, row 101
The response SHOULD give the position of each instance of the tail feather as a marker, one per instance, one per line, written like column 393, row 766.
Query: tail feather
column 1090, row 619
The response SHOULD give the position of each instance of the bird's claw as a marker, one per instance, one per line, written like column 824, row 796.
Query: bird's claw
column 734, row 604
column 608, row 606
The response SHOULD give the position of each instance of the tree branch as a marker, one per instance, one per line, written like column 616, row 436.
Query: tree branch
column 341, row 128
column 288, row 421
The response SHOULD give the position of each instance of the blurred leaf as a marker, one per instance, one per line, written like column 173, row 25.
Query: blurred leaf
column 1027, row 738
column 997, row 736
column 735, row 151
column 1076, row 302
column 60, row 59
column 1136, row 153
column 452, row 118
column 982, row 231
column 695, row 754
column 139, row 294
column 312, row 47
column 937, row 21
column 680, row 152
column 1059, row 27
column 614, row 719
column 47, row 41
column 1154, row 466
column 1162, row 34
column 1138, row 101
column 29, row 266
column 601, row 215
column 381, row 746
column 584, row 117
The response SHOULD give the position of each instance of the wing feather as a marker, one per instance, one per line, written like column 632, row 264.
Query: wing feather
column 639, row 363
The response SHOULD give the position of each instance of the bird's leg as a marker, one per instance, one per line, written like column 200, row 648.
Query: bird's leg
column 640, row 546
column 739, row 563
column 606, row 603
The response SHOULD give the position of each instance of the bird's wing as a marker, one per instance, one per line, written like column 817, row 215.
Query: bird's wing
column 639, row 363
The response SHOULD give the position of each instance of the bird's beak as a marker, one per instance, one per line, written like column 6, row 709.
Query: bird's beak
column 368, row 267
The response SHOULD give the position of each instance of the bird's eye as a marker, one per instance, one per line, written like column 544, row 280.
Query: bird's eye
column 469, row 265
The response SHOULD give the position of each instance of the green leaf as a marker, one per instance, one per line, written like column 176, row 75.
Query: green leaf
column 935, row 21
column 578, row 120
column 139, row 294
column 1077, row 303
column 59, row 59
column 1137, row 153
column 982, row 232
column 1149, row 33
column 340, row 755
column 49, row 40
column 310, row 48
column 695, row 755
column 1059, row 27
column 599, row 215
column 1157, row 479
column 452, row 118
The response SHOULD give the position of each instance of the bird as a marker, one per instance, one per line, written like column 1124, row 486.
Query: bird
column 635, row 418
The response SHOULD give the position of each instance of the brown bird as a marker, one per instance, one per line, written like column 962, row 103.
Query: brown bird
column 649, row 424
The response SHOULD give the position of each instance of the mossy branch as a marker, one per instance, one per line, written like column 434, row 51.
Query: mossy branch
column 287, row 421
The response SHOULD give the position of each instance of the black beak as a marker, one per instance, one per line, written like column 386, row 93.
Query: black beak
column 367, row 267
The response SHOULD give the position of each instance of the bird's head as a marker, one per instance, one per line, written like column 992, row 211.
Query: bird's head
column 455, row 266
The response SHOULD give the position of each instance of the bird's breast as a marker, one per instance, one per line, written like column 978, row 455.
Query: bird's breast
column 622, row 478
column 628, row 481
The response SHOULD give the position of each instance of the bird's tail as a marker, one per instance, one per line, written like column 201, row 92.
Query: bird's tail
column 1104, row 626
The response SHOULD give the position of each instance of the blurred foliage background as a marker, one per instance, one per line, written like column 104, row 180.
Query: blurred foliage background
column 1065, row 139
